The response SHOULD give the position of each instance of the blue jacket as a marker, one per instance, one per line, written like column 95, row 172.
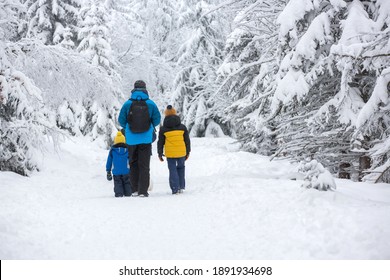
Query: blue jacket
column 119, row 157
column 155, row 116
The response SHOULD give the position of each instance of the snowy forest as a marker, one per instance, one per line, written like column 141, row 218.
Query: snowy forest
column 298, row 79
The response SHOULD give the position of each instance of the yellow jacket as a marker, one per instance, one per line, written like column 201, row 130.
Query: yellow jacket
column 173, row 138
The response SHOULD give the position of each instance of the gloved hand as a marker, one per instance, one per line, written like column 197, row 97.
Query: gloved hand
column 109, row 176
column 161, row 158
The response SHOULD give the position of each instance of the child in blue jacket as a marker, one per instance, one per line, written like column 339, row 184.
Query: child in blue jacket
column 118, row 158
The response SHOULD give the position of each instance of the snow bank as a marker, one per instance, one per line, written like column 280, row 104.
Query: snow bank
column 237, row 205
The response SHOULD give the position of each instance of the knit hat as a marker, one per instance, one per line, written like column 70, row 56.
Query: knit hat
column 139, row 84
column 169, row 111
column 119, row 138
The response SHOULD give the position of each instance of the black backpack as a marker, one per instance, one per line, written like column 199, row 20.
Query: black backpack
column 138, row 117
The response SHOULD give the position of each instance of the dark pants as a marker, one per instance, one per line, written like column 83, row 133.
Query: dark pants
column 176, row 173
column 122, row 185
column 139, row 156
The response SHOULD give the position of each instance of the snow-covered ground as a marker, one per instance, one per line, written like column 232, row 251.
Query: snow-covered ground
column 237, row 206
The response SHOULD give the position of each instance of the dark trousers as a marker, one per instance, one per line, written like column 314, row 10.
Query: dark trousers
column 122, row 186
column 139, row 156
column 176, row 173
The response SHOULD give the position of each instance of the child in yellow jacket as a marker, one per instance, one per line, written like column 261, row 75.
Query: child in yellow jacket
column 174, row 142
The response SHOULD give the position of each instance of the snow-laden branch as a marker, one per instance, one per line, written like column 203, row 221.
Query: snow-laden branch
column 243, row 68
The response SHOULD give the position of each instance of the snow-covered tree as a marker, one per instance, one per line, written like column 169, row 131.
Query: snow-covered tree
column 94, row 117
column 331, row 55
column 24, row 121
column 198, row 60
column 145, row 41
column 162, row 41
column 367, row 50
column 372, row 135
column 53, row 21
column 316, row 176
column 247, row 73
column 11, row 24
column 307, row 81
column 94, row 34
column 86, row 91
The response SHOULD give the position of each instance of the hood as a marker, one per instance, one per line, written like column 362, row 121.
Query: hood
column 138, row 93
column 119, row 149
column 172, row 121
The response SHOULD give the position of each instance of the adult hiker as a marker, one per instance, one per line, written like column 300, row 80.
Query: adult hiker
column 174, row 140
column 139, row 116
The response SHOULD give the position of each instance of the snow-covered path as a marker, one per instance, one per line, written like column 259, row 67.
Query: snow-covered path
column 237, row 206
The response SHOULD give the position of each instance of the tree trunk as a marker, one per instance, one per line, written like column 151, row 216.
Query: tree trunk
column 364, row 164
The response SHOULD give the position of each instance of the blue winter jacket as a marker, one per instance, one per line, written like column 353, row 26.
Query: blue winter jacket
column 155, row 116
column 118, row 160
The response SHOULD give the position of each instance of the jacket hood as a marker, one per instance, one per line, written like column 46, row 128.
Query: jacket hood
column 172, row 121
column 138, row 93
column 119, row 149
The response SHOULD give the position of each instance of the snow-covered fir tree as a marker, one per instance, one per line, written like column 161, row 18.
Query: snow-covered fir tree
column 307, row 80
column 198, row 60
column 326, row 76
column 316, row 176
column 366, row 54
column 95, row 117
column 94, row 34
column 247, row 74
column 53, row 21
column 11, row 24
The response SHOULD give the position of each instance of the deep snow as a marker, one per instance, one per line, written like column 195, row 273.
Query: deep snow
column 237, row 205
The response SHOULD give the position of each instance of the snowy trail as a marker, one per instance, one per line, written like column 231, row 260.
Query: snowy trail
column 237, row 206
